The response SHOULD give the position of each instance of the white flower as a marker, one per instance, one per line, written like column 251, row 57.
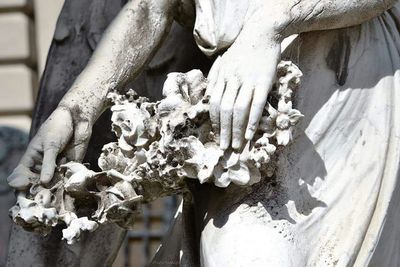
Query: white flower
column 131, row 125
column 203, row 161
column 279, row 122
column 262, row 151
column 289, row 79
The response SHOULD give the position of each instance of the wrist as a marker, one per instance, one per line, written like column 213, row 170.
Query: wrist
column 278, row 20
column 84, row 104
column 262, row 28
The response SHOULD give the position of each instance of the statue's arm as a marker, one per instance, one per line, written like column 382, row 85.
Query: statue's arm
column 311, row 15
column 128, row 43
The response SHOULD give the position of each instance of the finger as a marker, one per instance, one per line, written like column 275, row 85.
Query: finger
column 215, row 102
column 37, row 168
column 257, row 107
column 241, row 112
column 226, row 113
column 49, row 163
column 33, row 154
column 213, row 75
column 22, row 177
column 77, row 149
column 76, row 152
column 61, row 159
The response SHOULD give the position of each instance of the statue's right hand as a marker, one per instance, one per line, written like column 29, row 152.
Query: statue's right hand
column 61, row 132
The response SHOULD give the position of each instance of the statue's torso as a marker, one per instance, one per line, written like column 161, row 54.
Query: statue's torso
column 322, row 210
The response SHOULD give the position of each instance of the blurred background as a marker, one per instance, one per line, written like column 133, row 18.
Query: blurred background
column 26, row 32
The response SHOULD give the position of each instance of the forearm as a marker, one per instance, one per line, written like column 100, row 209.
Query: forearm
column 127, row 45
column 311, row 15
column 284, row 18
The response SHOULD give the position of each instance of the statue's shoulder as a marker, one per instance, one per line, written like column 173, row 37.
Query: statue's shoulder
column 186, row 13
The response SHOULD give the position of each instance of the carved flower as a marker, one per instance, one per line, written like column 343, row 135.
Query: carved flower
column 77, row 225
column 279, row 122
column 35, row 214
column 289, row 79
column 182, row 90
column 262, row 151
column 238, row 174
column 236, row 168
column 131, row 125
column 78, row 176
column 160, row 144
column 203, row 160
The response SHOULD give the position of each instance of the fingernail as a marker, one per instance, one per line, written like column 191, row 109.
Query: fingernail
column 236, row 144
column 224, row 144
column 249, row 135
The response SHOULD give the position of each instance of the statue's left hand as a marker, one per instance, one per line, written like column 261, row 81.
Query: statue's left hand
column 239, row 83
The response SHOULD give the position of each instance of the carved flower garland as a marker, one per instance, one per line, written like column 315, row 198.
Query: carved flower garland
column 159, row 145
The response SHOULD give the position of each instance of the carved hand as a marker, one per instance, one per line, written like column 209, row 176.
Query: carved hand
column 61, row 132
column 239, row 83
column 241, row 78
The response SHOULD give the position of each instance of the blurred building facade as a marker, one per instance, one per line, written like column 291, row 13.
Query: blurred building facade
column 26, row 30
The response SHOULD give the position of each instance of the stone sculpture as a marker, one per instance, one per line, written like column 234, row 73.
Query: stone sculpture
column 333, row 199
column 159, row 146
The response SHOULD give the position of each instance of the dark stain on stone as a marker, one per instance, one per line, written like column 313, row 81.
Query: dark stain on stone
column 338, row 57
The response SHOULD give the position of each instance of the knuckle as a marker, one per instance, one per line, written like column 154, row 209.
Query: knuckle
column 214, row 103
column 210, row 88
column 215, row 126
column 251, row 126
column 237, row 132
column 239, row 107
column 215, row 98
column 82, row 138
column 235, row 79
column 214, row 111
column 259, row 102
column 226, row 108
column 51, row 144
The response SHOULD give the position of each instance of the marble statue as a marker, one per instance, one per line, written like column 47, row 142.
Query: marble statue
column 332, row 197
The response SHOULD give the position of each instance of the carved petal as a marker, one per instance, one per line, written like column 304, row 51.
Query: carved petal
column 268, row 125
column 239, row 174
column 73, row 231
column 283, row 137
column 221, row 178
column 284, row 107
column 294, row 116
